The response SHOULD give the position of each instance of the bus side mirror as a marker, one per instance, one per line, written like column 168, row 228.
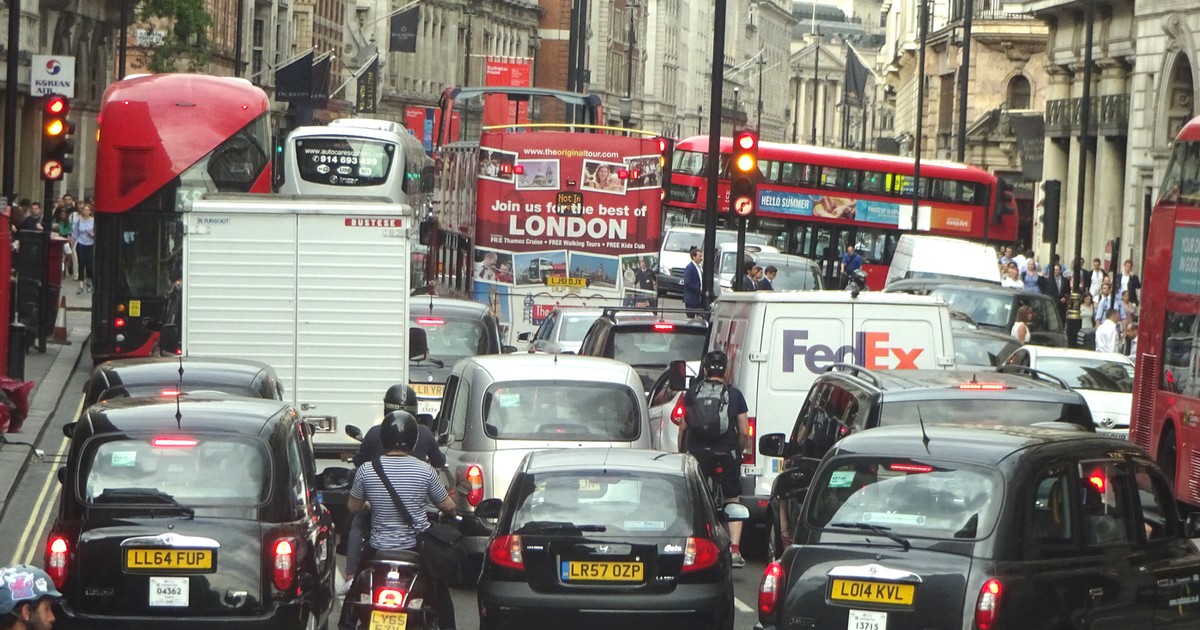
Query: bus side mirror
column 418, row 343
column 678, row 375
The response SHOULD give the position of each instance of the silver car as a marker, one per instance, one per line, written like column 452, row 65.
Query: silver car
column 495, row 409
column 562, row 330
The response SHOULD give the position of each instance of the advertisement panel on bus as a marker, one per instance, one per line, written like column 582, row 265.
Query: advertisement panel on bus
column 563, row 219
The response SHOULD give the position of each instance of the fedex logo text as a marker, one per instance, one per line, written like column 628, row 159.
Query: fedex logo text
column 870, row 350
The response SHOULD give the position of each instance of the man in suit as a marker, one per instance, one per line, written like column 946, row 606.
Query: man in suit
column 1059, row 287
column 748, row 281
column 692, row 297
column 767, row 283
column 1129, row 283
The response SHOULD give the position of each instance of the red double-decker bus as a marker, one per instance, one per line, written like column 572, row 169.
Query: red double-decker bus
column 540, row 211
column 1165, row 418
column 165, row 140
column 814, row 201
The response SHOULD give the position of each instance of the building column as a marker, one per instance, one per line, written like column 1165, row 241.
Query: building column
column 1110, row 163
column 1055, row 163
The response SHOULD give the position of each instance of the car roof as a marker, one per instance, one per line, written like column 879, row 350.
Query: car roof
column 785, row 260
column 900, row 385
column 620, row 459
column 540, row 367
column 446, row 307
column 983, row 333
column 246, row 416
column 1076, row 353
column 989, row 446
column 155, row 370
column 929, row 284
column 570, row 310
column 651, row 316
column 827, row 297
column 990, row 289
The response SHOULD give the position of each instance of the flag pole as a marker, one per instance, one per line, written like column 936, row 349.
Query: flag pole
column 357, row 74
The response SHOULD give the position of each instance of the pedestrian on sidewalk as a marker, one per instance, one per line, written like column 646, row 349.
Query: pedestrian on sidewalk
column 84, row 235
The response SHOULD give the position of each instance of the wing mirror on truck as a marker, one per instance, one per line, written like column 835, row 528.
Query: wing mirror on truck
column 418, row 343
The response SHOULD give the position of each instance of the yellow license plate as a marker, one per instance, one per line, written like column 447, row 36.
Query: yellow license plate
column 388, row 620
column 574, row 571
column 427, row 389
column 169, row 560
column 874, row 592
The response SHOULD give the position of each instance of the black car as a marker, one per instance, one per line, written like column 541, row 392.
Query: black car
column 611, row 537
column 979, row 349
column 847, row 399
column 185, row 512
column 995, row 308
column 162, row 376
column 647, row 340
column 454, row 329
column 997, row 529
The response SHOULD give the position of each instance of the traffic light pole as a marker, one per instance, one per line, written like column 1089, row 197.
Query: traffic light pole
column 714, row 148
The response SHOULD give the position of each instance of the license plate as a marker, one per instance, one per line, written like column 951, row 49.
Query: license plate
column 169, row 560
column 874, row 592
column 867, row 620
column 430, row 406
column 575, row 571
column 428, row 390
column 388, row 620
column 169, row 591
column 751, row 471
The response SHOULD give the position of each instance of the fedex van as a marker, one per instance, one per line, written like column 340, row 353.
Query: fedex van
column 778, row 342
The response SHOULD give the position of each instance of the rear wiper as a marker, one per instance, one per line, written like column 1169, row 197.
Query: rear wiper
column 121, row 495
column 545, row 526
column 437, row 363
column 876, row 529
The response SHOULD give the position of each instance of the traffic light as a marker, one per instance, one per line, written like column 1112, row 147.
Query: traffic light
column 666, row 152
column 744, row 173
column 1051, row 197
column 1006, row 204
column 57, row 144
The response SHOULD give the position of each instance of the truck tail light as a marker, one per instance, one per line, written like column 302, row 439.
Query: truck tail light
column 751, row 454
column 987, row 605
column 700, row 553
column 475, row 478
column 769, row 590
column 56, row 559
column 285, row 563
column 506, row 552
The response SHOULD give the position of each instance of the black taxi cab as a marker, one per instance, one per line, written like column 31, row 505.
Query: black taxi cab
column 454, row 329
column 191, row 512
column 989, row 529
column 163, row 376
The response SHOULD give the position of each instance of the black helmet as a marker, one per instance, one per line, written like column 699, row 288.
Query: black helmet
column 715, row 363
column 400, row 398
column 399, row 431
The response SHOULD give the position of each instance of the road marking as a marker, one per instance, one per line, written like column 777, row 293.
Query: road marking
column 742, row 606
column 31, row 531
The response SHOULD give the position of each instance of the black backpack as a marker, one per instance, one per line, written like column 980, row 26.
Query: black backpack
column 708, row 415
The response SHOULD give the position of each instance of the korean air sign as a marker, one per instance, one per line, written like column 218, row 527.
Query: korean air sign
column 52, row 74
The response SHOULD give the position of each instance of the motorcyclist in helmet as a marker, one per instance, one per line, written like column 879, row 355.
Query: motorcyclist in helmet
column 27, row 595
column 724, row 451
column 417, row 484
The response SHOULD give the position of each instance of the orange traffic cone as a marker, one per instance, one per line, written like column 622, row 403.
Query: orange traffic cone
column 60, row 323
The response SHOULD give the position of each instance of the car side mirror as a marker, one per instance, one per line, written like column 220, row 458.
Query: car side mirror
column 772, row 444
column 508, row 349
column 1191, row 525
column 734, row 512
column 793, row 482
column 425, row 419
column 488, row 508
column 678, row 375
column 69, row 429
column 333, row 478
column 354, row 432
column 418, row 343
column 524, row 336
column 446, row 439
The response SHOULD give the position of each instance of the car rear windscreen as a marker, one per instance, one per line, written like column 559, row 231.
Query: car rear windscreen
column 1098, row 374
column 927, row 499
column 574, row 327
column 562, row 410
column 653, row 348
column 992, row 410
column 635, row 503
column 206, row 389
column 453, row 339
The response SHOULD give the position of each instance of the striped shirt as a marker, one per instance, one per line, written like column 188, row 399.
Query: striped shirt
column 416, row 483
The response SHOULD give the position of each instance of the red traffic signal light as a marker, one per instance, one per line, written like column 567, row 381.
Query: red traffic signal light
column 744, row 173
column 57, row 105
column 57, row 145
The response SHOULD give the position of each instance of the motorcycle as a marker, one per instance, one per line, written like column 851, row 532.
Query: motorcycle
column 394, row 593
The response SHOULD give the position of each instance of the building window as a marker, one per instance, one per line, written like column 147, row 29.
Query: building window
column 1018, row 93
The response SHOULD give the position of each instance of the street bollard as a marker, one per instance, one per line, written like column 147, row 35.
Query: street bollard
column 16, row 351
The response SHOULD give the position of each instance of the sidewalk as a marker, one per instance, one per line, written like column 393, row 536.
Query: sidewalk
column 50, row 405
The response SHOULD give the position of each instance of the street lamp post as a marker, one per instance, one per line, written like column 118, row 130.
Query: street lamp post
column 816, row 68
column 762, row 60
column 627, row 102
column 919, row 131
column 964, row 79
column 715, row 91
column 1074, row 321
column 699, row 119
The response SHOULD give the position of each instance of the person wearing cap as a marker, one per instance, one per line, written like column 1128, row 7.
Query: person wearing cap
column 27, row 595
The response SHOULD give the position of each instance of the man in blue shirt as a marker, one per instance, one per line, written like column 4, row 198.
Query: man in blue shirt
column 851, row 262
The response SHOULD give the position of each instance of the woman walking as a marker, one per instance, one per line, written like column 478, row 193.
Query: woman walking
column 84, row 233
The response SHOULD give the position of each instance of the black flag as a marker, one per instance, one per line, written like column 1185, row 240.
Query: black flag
column 368, row 87
column 318, row 93
column 293, row 81
column 856, row 76
column 404, row 30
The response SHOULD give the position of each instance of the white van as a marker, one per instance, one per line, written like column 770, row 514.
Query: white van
column 778, row 342
column 673, row 256
column 933, row 257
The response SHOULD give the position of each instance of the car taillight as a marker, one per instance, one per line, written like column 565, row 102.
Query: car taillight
column 700, row 553
column 664, row 327
column 987, row 605
column 174, row 441
column 285, row 564
column 56, row 559
column 678, row 411
column 475, row 478
column 769, row 588
column 983, row 387
column 390, row 597
column 750, row 456
column 506, row 552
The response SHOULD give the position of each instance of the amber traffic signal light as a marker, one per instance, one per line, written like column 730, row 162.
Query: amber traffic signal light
column 744, row 173
column 57, row 144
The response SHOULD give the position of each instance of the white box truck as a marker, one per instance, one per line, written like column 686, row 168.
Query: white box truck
column 316, row 287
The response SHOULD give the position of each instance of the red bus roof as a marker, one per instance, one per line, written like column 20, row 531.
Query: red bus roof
column 1190, row 131
column 806, row 154
column 154, row 127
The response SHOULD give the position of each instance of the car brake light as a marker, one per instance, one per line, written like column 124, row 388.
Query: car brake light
column 390, row 597
column 910, row 468
column 664, row 327
column 174, row 442
column 769, row 588
column 678, row 411
column 750, row 456
column 983, row 387
column 699, row 554
column 285, row 562
column 987, row 605
column 56, row 559
column 170, row 392
column 475, row 478
column 430, row 321
column 506, row 552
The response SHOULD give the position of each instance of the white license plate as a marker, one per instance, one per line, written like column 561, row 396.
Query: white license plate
column 429, row 406
column 169, row 591
column 751, row 471
column 867, row 620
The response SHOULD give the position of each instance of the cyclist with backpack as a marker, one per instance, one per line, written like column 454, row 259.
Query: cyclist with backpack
column 715, row 430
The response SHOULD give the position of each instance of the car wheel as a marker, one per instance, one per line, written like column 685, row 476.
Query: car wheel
column 1167, row 455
